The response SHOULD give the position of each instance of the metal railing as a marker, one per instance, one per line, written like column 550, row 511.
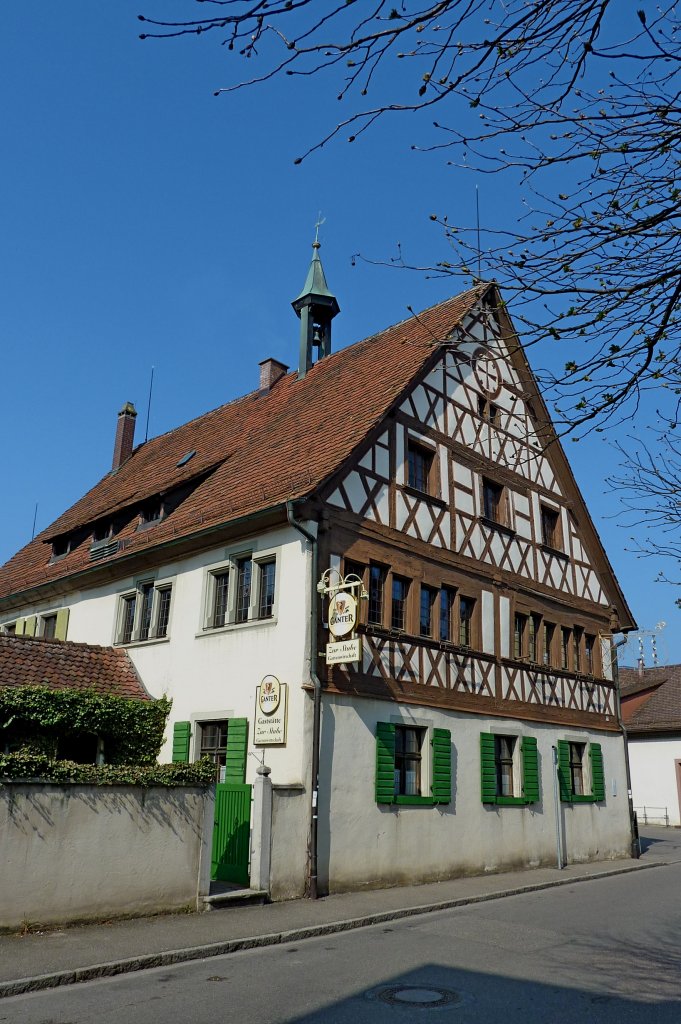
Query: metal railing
column 652, row 816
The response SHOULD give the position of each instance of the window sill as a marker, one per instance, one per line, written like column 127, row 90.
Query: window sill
column 424, row 496
column 149, row 642
column 414, row 801
column 229, row 627
column 588, row 799
column 555, row 551
column 508, row 801
column 494, row 525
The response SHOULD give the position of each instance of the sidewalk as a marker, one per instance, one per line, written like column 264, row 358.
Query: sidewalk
column 46, row 960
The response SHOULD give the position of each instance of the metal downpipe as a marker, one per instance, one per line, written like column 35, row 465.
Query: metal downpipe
column 317, row 704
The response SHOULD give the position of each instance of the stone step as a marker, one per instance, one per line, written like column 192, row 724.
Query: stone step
column 234, row 898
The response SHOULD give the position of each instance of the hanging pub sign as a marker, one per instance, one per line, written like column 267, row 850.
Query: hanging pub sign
column 345, row 648
column 270, row 713
column 344, row 652
column 342, row 613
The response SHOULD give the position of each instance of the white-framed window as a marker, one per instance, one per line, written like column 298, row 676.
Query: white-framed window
column 143, row 612
column 242, row 588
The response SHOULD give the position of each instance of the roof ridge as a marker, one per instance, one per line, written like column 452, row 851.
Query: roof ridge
column 477, row 289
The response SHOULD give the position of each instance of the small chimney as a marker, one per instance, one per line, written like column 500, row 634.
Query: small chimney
column 125, row 436
column 271, row 370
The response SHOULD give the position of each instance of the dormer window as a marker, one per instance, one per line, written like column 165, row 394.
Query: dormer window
column 150, row 513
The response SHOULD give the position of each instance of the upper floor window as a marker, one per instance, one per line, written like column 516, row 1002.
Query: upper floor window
column 577, row 635
column 589, row 645
column 244, row 569
column 520, row 624
column 494, row 502
column 565, row 645
column 242, row 590
column 447, row 599
column 376, row 588
column 219, row 600
column 49, row 626
column 488, row 411
column 144, row 613
column 533, row 627
column 466, row 611
column 426, row 605
column 550, row 527
column 547, row 651
column 398, row 612
column 420, row 467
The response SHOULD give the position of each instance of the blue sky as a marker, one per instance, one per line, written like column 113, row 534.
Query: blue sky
column 146, row 222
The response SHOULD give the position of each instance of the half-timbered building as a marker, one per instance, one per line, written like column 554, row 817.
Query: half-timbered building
column 421, row 463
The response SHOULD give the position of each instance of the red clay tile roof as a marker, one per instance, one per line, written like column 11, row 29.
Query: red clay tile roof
column 660, row 711
column 266, row 447
column 59, row 664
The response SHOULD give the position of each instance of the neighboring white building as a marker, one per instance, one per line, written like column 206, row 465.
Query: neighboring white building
column 651, row 710
column 423, row 461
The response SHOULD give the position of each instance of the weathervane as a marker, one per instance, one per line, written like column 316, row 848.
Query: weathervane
column 320, row 220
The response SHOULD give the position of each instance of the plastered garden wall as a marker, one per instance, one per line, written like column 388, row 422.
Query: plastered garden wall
column 76, row 852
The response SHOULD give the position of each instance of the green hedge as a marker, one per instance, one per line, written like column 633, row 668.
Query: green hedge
column 37, row 716
column 25, row 766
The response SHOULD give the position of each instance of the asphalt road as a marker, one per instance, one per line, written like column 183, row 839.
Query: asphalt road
column 605, row 951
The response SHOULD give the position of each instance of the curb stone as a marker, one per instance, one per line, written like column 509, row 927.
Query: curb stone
column 170, row 957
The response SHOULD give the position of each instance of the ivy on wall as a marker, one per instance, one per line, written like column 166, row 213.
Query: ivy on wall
column 40, row 767
column 36, row 718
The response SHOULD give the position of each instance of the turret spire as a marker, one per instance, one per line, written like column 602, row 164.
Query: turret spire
column 316, row 306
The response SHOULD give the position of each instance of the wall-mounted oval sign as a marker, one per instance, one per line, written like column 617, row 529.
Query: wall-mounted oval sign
column 342, row 613
column 269, row 695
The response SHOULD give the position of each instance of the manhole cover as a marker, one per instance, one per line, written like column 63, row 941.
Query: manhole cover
column 418, row 996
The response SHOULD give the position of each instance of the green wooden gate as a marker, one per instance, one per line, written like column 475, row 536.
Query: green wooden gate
column 231, row 833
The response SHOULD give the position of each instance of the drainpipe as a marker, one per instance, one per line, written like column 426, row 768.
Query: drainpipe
column 317, row 706
column 635, row 846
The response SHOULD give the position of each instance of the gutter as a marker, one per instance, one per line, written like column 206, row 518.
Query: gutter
column 317, row 705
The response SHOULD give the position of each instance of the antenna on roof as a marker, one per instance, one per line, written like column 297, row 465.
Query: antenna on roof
column 477, row 215
column 35, row 516
column 151, row 385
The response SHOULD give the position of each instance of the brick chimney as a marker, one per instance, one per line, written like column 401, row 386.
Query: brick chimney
column 271, row 370
column 125, row 436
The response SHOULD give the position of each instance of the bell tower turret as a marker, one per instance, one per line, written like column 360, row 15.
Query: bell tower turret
column 316, row 306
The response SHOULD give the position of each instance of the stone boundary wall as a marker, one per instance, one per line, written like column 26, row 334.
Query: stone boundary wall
column 78, row 852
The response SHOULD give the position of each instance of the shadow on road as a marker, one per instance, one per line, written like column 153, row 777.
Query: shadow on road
column 436, row 992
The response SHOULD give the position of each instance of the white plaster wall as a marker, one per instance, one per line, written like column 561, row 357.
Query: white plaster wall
column 653, row 774
column 290, row 834
column 367, row 844
column 74, row 852
column 215, row 672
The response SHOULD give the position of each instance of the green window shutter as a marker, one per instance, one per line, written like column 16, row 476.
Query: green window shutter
column 597, row 773
column 488, row 768
column 237, row 744
column 442, row 766
column 385, row 762
column 29, row 625
column 564, row 778
column 182, row 732
column 19, row 627
column 528, row 748
column 62, row 624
